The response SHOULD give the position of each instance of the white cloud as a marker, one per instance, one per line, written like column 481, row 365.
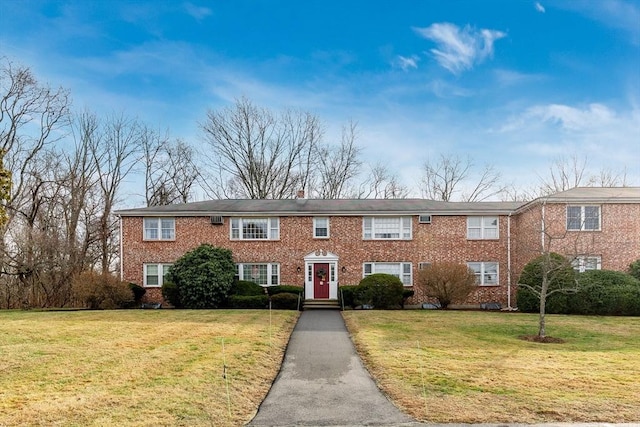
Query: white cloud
column 406, row 63
column 539, row 7
column 620, row 14
column 460, row 49
column 608, row 138
column 197, row 12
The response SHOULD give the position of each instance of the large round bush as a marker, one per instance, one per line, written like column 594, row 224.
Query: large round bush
column 382, row 291
column 203, row 277
column 607, row 292
column 560, row 276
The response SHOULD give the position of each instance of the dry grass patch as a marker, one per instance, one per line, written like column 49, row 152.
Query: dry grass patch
column 472, row 367
column 136, row 368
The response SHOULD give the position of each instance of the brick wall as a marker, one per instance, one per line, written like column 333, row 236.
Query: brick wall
column 442, row 240
column 618, row 244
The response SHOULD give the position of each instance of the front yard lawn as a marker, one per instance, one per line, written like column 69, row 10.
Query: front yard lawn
column 471, row 367
column 138, row 367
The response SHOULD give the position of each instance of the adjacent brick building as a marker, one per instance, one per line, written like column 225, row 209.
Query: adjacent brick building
column 322, row 244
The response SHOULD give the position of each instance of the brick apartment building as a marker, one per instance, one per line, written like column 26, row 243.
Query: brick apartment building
column 321, row 244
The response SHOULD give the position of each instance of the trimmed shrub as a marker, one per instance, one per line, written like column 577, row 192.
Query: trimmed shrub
column 634, row 269
column 406, row 294
column 204, row 277
column 448, row 282
column 246, row 288
column 274, row 290
column 348, row 293
column 249, row 301
column 380, row 290
column 561, row 276
column 138, row 292
column 101, row 291
column 606, row 292
column 284, row 301
column 171, row 293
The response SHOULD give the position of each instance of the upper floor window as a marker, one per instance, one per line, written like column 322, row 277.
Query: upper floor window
column 385, row 227
column 583, row 263
column 255, row 228
column 321, row 227
column 155, row 275
column 402, row 270
column 265, row 274
column 581, row 218
column 482, row 227
column 159, row 228
column 486, row 272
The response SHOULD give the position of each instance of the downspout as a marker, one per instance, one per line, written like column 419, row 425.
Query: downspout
column 509, row 261
column 121, row 253
column 543, row 227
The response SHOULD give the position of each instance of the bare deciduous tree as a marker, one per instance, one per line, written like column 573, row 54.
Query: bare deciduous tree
column 566, row 173
column 452, row 175
column 170, row 169
column 382, row 184
column 337, row 166
column 258, row 154
column 115, row 151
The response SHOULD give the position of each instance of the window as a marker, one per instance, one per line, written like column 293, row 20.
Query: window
column 265, row 274
column 482, row 227
column 584, row 263
column 321, row 228
column 423, row 265
column 155, row 275
column 486, row 272
column 583, row 218
column 159, row 228
column 386, row 228
column 255, row 228
column 402, row 270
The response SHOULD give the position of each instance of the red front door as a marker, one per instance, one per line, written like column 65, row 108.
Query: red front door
column 320, row 281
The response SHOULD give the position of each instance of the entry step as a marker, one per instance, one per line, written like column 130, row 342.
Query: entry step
column 321, row 304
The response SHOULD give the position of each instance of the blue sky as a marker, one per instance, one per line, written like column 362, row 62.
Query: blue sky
column 513, row 83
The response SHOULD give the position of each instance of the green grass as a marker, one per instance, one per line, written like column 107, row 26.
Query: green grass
column 166, row 367
column 135, row 367
column 472, row 367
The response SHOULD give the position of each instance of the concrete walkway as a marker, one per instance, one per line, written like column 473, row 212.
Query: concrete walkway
column 322, row 382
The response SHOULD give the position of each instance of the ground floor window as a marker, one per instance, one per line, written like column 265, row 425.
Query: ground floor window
column 402, row 270
column 486, row 272
column 155, row 275
column 584, row 263
column 265, row 274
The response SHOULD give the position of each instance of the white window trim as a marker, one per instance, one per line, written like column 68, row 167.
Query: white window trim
column 270, row 268
column 405, row 231
column 483, row 228
column 158, row 228
column 273, row 233
column 483, row 272
column 161, row 273
column 403, row 266
column 581, row 262
column 583, row 218
column 315, row 227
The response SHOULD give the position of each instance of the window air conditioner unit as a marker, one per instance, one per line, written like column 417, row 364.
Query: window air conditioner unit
column 216, row 220
column 424, row 219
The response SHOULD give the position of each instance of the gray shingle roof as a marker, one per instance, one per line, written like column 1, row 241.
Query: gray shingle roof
column 305, row 207
column 347, row 207
column 597, row 195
